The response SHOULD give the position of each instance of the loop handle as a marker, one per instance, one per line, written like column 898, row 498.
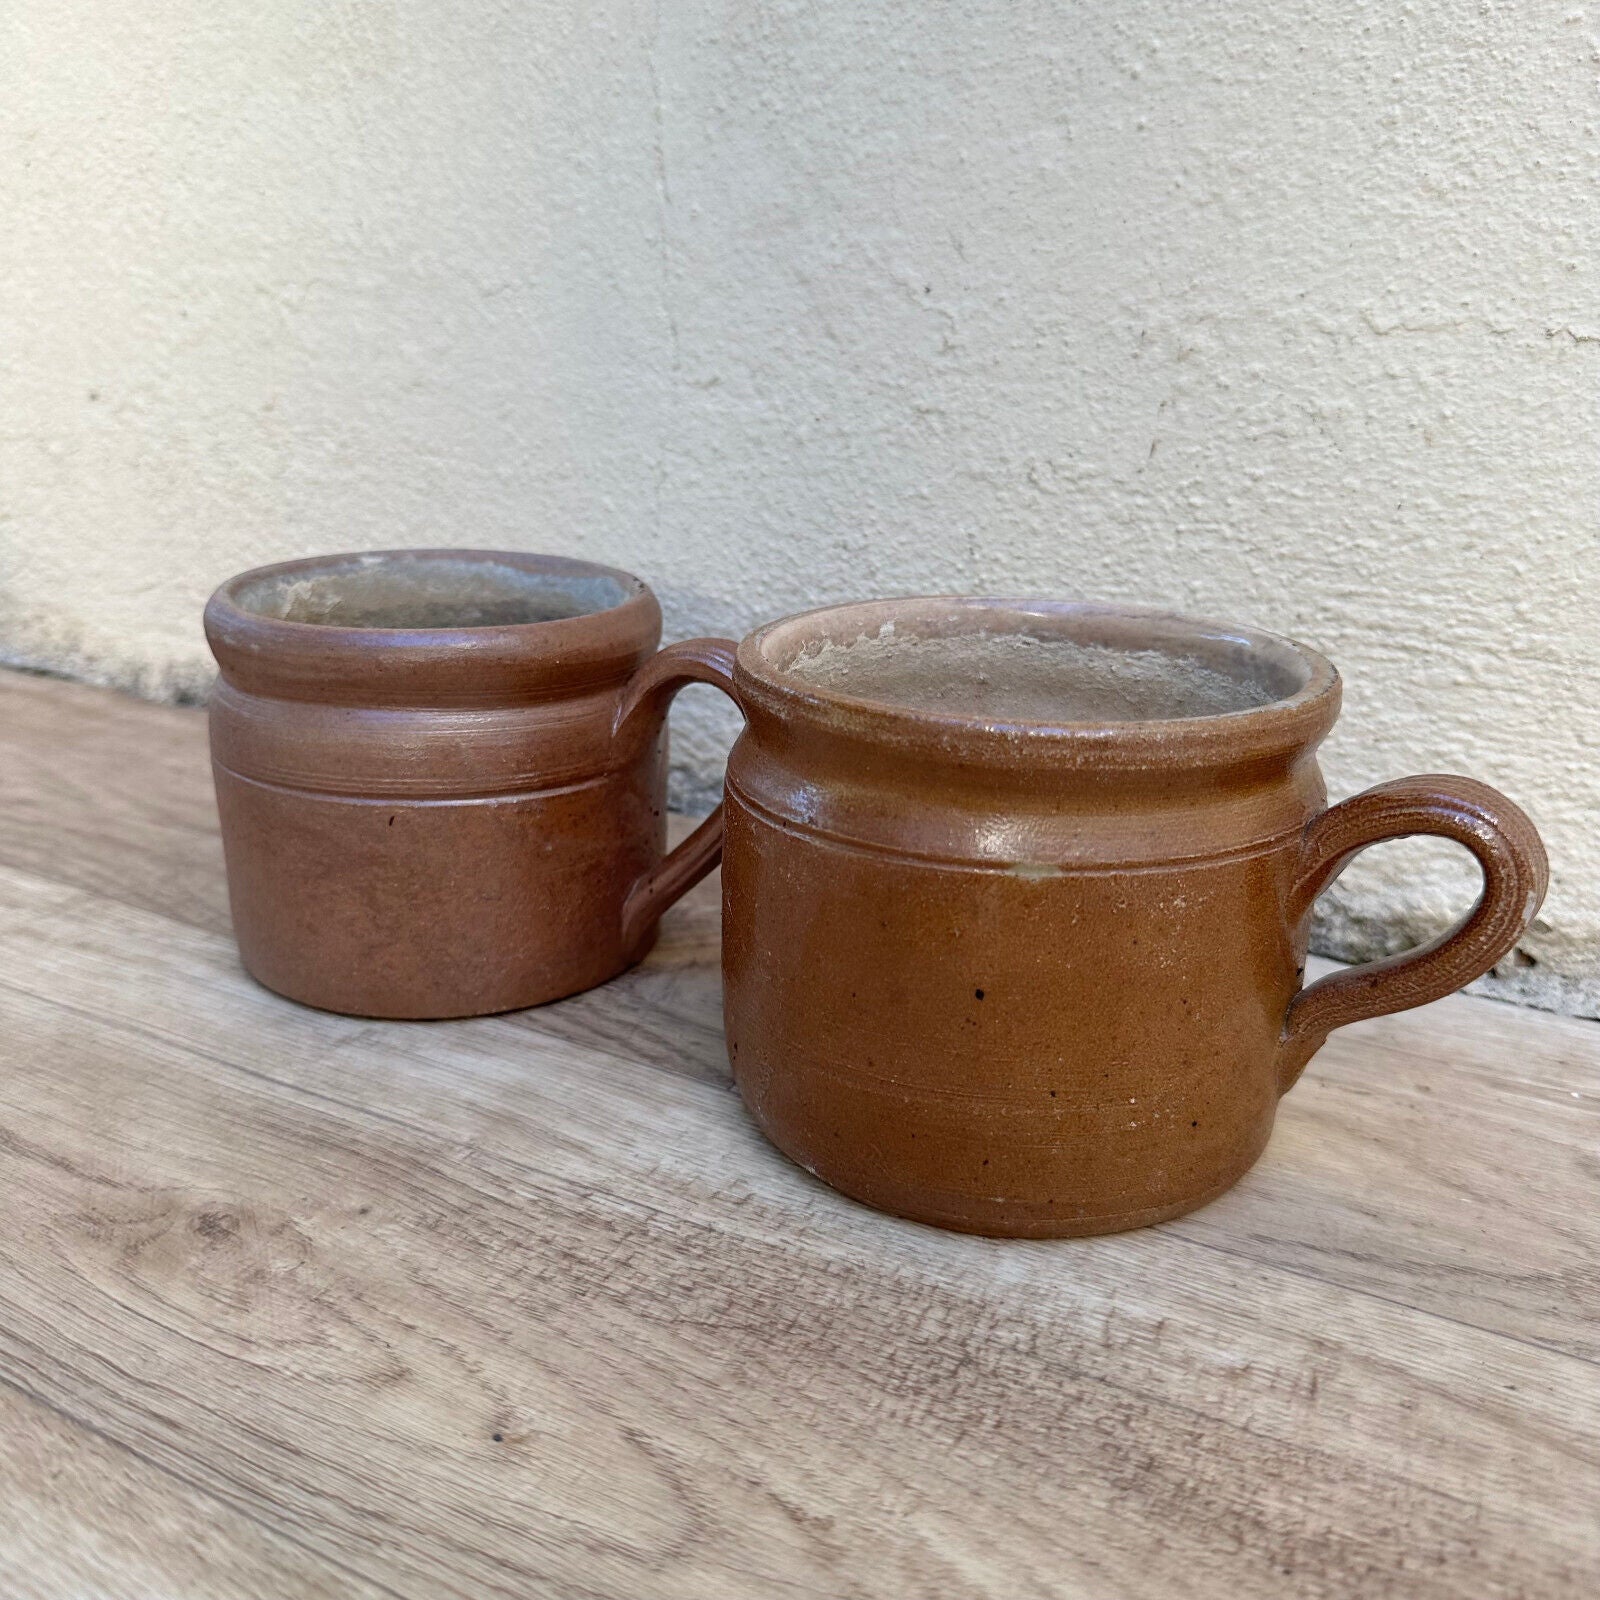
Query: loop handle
column 1515, row 876
column 649, row 695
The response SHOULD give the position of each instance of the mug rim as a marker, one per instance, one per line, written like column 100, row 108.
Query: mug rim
column 1286, row 722
column 487, row 664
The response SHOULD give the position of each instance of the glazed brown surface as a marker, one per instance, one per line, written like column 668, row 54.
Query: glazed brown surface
column 430, row 804
column 1043, row 978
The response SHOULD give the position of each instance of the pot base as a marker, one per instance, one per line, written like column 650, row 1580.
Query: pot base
column 408, row 1011
column 995, row 1219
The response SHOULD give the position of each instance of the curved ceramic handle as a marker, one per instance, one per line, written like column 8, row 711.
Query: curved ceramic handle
column 1515, row 876
column 649, row 695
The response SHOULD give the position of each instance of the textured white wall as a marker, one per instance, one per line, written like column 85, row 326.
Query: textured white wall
column 1277, row 311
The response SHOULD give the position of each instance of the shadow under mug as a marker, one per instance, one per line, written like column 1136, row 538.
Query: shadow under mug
column 430, row 804
column 1013, row 974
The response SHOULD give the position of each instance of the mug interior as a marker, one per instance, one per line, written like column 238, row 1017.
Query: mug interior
column 1018, row 662
column 426, row 591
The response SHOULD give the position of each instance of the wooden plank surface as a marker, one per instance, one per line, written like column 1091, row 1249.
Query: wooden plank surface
column 293, row 1304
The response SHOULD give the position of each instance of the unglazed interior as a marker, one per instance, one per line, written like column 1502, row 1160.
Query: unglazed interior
column 1001, row 662
column 422, row 592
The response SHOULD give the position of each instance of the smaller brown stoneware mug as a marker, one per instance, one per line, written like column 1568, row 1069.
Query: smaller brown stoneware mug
column 1016, row 899
column 431, row 802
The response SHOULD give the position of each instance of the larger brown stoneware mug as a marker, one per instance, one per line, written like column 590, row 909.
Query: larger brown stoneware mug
column 431, row 803
column 1016, row 898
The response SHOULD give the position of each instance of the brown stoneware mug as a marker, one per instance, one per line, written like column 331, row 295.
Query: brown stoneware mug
column 1016, row 898
column 431, row 803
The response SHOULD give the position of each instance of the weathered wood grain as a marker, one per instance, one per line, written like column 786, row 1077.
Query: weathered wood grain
column 524, row 1306
column 111, row 794
column 81, row 1516
column 1451, row 1162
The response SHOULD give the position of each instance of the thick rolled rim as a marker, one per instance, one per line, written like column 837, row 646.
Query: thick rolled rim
column 1295, row 718
column 487, row 664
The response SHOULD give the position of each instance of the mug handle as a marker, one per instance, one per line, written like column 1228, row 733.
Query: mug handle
column 1515, row 876
column 648, row 695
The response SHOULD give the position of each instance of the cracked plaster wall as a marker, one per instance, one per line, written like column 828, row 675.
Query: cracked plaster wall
column 1278, row 311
